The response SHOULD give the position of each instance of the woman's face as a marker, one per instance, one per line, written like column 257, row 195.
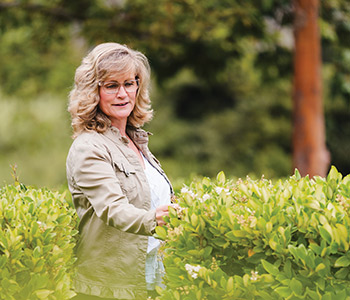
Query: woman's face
column 118, row 103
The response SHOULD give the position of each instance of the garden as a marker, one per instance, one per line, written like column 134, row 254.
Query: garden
column 229, row 239
column 228, row 94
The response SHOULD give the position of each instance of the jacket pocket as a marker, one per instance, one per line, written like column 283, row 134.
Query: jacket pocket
column 126, row 175
column 127, row 169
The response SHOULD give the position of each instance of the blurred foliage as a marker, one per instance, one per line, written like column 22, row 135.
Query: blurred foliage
column 222, row 80
column 37, row 238
column 35, row 136
column 238, row 140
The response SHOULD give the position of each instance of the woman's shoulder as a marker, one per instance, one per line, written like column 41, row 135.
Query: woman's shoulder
column 88, row 145
column 89, row 140
column 86, row 136
column 92, row 137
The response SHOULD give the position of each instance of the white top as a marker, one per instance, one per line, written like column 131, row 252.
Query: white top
column 160, row 194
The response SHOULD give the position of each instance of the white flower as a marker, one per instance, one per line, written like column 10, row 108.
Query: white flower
column 254, row 276
column 185, row 190
column 205, row 198
column 218, row 190
column 192, row 270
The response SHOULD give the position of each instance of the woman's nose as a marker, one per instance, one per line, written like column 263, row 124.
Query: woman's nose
column 122, row 92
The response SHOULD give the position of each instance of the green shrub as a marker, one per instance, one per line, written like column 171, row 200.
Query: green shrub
column 255, row 239
column 36, row 244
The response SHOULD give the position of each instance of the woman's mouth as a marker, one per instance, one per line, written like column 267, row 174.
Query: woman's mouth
column 120, row 104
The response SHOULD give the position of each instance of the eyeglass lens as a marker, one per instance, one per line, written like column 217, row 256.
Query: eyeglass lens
column 113, row 86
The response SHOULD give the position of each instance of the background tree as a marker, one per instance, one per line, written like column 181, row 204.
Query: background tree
column 310, row 155
column 222, row 72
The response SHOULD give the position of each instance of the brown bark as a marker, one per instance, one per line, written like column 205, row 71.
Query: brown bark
column 310, row 155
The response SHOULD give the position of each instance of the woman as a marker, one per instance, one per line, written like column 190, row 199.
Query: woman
column 119, row 190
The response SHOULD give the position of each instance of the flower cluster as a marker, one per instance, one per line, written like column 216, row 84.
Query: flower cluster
column 173, row 233
column 254, row 276
column 219, row 190
column 205, row 198
column 244, row 220
column 214, row 264
column 185, row 190
column 343, row 202
column 192, row 270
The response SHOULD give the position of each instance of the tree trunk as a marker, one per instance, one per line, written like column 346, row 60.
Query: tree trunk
column 310, row 155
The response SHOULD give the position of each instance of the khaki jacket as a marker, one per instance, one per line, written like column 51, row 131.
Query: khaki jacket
column 112, row 199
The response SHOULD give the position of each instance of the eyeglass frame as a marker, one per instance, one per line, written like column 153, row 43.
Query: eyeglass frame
column 102, row 83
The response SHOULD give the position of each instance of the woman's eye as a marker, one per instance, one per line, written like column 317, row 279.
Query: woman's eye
column 129, row 83
column 111, row 86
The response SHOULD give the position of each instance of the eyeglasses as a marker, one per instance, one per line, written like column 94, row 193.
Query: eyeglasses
column 113, row 87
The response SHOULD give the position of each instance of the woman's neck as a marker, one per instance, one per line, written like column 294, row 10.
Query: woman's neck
column 121, row 126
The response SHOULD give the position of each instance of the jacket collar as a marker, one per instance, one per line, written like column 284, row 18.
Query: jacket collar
column 138, row 136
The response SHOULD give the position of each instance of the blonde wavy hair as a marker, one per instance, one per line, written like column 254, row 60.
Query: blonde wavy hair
column 103, row 61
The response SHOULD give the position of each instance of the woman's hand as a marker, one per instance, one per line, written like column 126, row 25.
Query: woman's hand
column 162, row 211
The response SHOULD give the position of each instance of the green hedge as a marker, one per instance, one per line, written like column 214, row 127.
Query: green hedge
column 245, row 239
column 36, row 244
column 255, row 239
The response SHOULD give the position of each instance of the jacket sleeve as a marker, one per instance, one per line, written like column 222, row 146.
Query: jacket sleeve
column 94, row 176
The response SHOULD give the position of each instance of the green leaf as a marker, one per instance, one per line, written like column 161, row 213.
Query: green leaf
column 321, row 283
column 161, row 232
column 64, row 220
column 315, row 248
column 207, row 251
column 246, row 280
column 221, row 178
column 296, row 286
column 270, row 268
column 313, row 295
column 43, row 294
column 273, row 244
column 229, row 286
column 342, row 261
column 328, row 296
column 220, row 242
column 268, row 227
column 3, row 261
column 159, row 289
column 177, row 295
column 334, row 174
column 223, row 282
column 288, row 268
column 284, row 292
column 342, row 273
column 235, row 235
column 206, row 181
column 194, row 220
column 194, row 252
column 325, row 234
column 37, row 252
column 320, row 267
column 297, row 174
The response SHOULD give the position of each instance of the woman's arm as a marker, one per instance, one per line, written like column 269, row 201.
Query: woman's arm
column 91, row 170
